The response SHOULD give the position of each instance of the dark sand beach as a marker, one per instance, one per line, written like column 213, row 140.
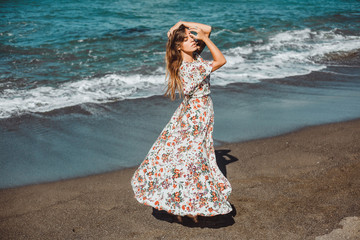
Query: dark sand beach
column 81, row 85
column 301, row 185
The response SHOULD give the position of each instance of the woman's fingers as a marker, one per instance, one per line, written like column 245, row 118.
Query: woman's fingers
column 199, row 34
column 198, row 31
column 193, row 36
column 194, row 29
column 170, row 31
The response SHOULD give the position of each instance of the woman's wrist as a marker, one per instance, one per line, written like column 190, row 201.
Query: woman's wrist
column 206, row 28
column 205, row 39
column 176, row 26
column 186, row 24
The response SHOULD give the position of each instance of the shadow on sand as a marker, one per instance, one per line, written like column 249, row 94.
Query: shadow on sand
column 223, row 158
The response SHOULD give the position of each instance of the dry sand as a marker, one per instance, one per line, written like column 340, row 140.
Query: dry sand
column 302, row 185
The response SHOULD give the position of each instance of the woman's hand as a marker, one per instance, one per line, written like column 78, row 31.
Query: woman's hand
column 200, row 34
column 176, row 26
column 219, row 59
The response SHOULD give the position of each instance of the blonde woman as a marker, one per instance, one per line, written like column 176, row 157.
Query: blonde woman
column 180, row 174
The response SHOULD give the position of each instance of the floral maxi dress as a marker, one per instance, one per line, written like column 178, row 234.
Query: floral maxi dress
column 180, row 174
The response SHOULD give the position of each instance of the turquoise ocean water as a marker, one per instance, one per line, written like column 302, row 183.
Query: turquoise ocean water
column 81, row 82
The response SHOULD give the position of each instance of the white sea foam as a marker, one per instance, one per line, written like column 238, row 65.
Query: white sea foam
column 285, row 54
column 288, row 53
column 109, row 88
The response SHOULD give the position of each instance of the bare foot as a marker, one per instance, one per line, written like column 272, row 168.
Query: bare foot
column 179, row 218
column 194, row 218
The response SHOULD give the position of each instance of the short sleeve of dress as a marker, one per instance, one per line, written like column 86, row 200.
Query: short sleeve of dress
column 193, row 75
column 207, row 65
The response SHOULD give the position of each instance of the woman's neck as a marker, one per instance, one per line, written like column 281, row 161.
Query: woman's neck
column 187, row 57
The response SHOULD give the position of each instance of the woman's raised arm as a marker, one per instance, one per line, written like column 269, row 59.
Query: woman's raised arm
column 204, row 27
column 219, row 59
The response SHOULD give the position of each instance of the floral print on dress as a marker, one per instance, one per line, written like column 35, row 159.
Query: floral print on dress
column 196, row 77
column 180, row 174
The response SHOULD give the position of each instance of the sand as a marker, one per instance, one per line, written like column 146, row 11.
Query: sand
column 301, row 185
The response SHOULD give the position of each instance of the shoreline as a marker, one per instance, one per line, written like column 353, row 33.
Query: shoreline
column 221, row 145
column 298, row 185
column 65, row 144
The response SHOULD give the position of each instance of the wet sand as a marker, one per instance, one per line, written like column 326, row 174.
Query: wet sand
column 301, row 185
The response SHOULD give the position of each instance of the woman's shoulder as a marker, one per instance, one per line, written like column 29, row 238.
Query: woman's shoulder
column 192, row 66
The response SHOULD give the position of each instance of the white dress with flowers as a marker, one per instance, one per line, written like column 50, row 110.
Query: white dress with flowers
column 180, row 174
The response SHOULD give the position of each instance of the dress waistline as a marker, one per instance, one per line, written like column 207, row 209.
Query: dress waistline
column 192, row 96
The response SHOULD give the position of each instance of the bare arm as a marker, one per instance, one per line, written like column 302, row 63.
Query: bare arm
column 219, row 59
column 201, row 45
column 204, row 27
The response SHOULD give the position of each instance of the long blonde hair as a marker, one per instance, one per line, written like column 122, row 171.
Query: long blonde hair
column 173, row 61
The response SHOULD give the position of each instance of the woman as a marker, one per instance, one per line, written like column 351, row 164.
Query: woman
column 180, row 174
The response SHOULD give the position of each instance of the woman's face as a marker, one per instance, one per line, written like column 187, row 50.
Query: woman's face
column 188, row 45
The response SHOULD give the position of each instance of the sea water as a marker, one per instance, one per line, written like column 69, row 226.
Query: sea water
column 81, row 83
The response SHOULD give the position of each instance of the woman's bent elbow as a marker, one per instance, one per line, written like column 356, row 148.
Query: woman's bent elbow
column 223, row 62
column 218, row 64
